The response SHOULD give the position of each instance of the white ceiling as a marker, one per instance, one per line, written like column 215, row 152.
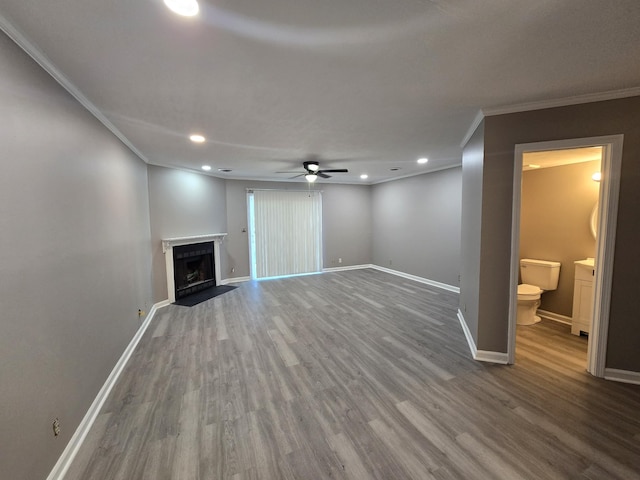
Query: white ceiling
column 361, row 84
column 558, row 158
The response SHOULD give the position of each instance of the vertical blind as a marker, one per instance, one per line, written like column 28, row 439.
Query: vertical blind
column 287, row 232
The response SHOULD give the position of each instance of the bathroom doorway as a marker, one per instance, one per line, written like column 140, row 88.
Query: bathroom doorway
column 604, row 223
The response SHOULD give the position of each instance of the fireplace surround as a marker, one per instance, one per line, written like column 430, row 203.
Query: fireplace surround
column 193, row 264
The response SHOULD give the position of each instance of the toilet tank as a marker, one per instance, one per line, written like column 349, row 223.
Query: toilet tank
column 541, row 273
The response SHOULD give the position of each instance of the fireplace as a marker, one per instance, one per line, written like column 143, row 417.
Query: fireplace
column 193, row 264
column 193, row 268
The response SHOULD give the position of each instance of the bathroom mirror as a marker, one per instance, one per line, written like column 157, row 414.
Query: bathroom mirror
column 593, row 221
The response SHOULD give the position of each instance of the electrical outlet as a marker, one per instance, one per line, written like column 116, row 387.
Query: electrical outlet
column 339, row 260
column 56, row 427
column 390, row 262
column 233, row 269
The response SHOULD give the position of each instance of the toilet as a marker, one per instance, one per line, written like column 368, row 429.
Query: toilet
column 538, row 276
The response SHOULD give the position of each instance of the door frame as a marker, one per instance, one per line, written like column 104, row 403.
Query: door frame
column 605, row 241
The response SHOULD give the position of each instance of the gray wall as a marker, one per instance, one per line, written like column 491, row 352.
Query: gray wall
column 416, row 225
column 502, row 133
column 183, row 204
column 346, row 223
column 472, row 159
column 555, row 223
column 75, row 261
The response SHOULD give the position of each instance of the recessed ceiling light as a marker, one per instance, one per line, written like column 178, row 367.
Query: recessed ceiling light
column 364, row 176
column 394, row 169
column 206, row 168
column 596, row 176
column 186, row 8
column 225, row 170
column 532, row 165
column 196, row 138
column 422, row 161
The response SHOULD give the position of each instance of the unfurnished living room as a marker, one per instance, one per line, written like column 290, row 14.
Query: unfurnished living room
column 319, row 240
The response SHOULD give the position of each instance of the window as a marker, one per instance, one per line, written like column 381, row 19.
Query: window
column 285, row 232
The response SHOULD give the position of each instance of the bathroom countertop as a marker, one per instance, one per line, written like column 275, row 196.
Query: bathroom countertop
column 588, row 262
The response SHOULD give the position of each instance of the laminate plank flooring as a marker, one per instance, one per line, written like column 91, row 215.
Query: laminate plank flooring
column 354, row 375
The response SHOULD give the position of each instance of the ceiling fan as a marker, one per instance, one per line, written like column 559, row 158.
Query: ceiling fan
column 313, row 171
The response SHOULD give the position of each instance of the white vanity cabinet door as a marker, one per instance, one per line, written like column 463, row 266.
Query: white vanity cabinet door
column 582, row 299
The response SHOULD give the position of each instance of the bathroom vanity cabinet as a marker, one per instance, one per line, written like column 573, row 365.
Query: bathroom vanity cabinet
column 582, row 296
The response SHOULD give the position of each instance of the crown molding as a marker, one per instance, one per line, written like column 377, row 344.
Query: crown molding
column 472, row 128
column 41, row 59
column 562, row 102
column 415, row 174
column 299, row 182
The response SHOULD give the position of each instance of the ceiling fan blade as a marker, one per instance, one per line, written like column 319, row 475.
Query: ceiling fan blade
column 335, row 170
column 292, row 171
column 323, row 175
column 296, row 176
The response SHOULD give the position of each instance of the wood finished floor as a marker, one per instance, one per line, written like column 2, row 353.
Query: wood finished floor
column 354, row 375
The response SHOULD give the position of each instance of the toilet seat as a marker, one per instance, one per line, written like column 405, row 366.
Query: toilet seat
column 528, row 292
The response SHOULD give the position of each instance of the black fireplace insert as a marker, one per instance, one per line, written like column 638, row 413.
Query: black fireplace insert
column 193, row 268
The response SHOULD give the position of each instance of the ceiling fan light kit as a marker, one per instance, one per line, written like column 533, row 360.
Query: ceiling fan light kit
column 312, row 171
column 186, row 8
column 311, row 166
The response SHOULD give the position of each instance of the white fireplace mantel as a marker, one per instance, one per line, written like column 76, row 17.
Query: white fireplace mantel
column 167, row 249
column 173, row 242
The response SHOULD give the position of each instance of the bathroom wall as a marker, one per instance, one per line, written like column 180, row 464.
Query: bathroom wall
column 555, row 223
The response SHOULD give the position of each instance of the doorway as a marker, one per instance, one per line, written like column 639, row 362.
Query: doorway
column 285, row 232
column 606, row 227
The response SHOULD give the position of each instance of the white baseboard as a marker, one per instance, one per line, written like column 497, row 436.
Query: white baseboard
column 492, row 357
column 415, row 278
column 556, row 317
column 481, row 355
column 227, row 281
column 624, row 376
column 158, row 306
column 408, row 276
column 467, row 334
column 64, row 462
column 345, row 268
